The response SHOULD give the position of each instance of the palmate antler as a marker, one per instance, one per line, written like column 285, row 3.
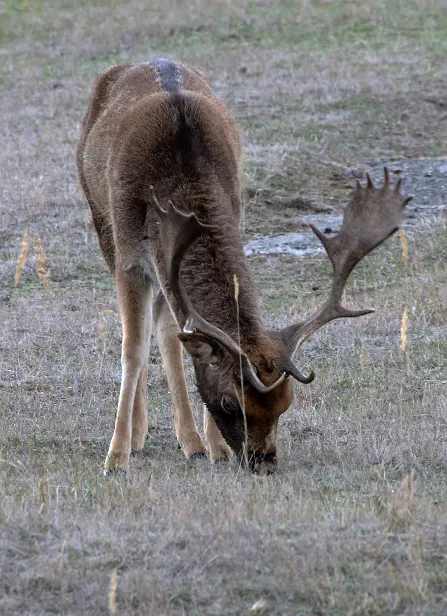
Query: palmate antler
column 372, row 215
column 178, row 232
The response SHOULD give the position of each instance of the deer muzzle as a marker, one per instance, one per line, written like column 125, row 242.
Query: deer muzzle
column 259, row 462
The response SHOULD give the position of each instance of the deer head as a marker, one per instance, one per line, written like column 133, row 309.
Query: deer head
column 246, row 390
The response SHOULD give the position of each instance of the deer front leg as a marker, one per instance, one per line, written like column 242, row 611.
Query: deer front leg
column 140, row 421
column 139, row 413
column 186, row 431
column 217, row 446
column 135, row 299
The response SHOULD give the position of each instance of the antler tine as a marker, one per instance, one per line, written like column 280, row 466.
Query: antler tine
column 369, row 219
column 179, row 231
column 154, row 200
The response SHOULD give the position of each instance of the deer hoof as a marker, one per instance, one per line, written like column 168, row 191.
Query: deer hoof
column 199, row 455
column 116, row 462
column 138, row 441
column 192, row 445
column 115, row 472
column 220, row 453
column 220, row 462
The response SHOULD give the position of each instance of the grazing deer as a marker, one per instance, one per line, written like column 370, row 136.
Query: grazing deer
column 159, row 161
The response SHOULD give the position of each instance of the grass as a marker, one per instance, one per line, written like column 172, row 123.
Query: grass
column 355, row 521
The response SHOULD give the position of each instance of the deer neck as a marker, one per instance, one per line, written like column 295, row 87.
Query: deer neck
column 219, row 282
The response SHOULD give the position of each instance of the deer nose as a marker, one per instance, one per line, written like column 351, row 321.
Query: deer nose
column 263, row 463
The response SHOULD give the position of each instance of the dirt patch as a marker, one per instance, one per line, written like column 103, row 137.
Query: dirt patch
column 425, row 179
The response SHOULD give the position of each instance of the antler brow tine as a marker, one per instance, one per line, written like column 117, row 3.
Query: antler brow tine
column 154, row 200
column 178, row 231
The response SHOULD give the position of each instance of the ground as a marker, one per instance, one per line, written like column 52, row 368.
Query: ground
column 355, row 520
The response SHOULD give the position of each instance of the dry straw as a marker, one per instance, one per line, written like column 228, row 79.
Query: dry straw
column 112, row 592
column 241, row 402
column 22, row 258
column 403, row 330
column 42, row 270
column 403, row 242
column 402, row 501
column 362, row 354
column 101, row 327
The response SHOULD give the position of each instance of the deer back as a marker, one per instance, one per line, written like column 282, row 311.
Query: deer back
column 159, row 124
column 130, row 130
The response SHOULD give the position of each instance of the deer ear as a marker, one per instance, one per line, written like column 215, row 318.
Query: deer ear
column 202, row 348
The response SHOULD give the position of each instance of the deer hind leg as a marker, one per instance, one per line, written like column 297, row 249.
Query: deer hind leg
column 217, row 446
column 103, row 226
column 186, row 431
column 135, row 299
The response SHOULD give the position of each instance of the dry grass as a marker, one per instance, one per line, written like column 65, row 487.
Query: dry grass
column 355, row 522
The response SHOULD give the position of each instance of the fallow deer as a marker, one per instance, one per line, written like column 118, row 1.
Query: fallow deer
column 159, row 161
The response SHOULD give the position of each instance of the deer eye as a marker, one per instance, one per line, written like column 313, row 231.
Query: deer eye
column 229, row 405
